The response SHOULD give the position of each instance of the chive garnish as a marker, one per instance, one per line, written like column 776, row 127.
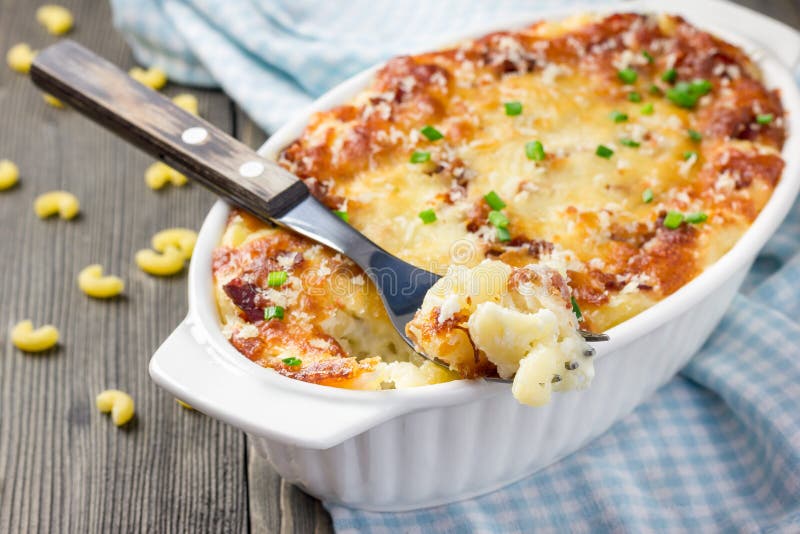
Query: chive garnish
column 648, row 56
column 673, row 220
column 701, row 87
column 576, row 309
column 431, row 133
column 618, row 116
column 503, row 234
column 655, row 90
column 277, row 278
column 420, row 156
column 647, row 109
column 670, row 76
column 629, row 143
column 427, row 216
column 273, row 312
column 686, row 94
column 513, row 108
column 342, row 215
column 633, row 96
column 764, row 118
column 604, row 152
column 534, row 151
column 689, row 154
column 494, row 201
column 695, row 218
column 628, row 76
column 695, row 136
column 292, row 361
column 498, row 219
column 647, row 196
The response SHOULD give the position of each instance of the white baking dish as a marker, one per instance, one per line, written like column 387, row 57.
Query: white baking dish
column 406, row 449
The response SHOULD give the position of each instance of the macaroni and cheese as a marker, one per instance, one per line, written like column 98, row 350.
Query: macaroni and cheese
column 626, row 153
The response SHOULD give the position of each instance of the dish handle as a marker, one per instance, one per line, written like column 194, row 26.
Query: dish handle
column 189, row 368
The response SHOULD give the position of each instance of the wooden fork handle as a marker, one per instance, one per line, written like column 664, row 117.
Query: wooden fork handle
column 152, row 122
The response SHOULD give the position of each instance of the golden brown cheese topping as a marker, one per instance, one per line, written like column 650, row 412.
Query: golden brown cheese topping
column 629, row 152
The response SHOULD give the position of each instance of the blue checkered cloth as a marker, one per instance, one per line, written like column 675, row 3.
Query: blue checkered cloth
column 274, row 57
column 715, row 450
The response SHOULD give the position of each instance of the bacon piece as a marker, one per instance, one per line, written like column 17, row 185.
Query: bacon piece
column 245, row 296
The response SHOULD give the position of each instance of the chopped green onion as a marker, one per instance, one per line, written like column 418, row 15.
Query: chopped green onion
column 513, row 108
column 670, row 76
column 497, row 219
column 431, row 133
column 764, row 118
column 649, row 57
column 701, row 87
column 494, row 201
column 655, row 90
column 629, row 143
column 292, row 361
column 576, row 309
column 277, row 278
column 633, row 96
column 604, row 152
column 535, row 151
column 618, row 116
column 647, row 196
column 273, row 312
column 696, row 218
column 689, row 154
column 673, row 220
column 648, row 109
column 695, row 136
column 503, row 234
column 342, row 215
column 686, row 94
column 419, row 156
column 681, row 95
column 427, row 216
column 628, row 76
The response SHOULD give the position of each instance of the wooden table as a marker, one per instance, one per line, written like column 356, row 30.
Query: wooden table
column 64, row 466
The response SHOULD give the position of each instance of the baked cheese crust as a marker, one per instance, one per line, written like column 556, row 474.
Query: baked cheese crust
column 629, row 152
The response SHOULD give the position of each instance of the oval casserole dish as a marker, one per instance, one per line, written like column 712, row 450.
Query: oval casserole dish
column 412, row 448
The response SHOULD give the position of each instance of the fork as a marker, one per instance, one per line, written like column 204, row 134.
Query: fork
column 105, row 94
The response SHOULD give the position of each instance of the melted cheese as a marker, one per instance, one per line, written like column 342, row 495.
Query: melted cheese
column 574, row 211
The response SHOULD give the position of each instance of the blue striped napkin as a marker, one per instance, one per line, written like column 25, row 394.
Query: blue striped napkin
column 715, row 450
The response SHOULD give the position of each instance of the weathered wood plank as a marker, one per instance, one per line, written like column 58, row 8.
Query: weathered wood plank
column 786, row 11
column 64, row 466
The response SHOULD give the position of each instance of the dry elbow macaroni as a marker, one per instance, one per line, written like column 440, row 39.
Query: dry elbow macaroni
column 9, row 174
column 159, row 173
column 19, row 57
column 62, row 202
column 165, row 264
column 56, row 19
column 173, row 247
column 53, row 101
column 154, row 78
column 187, row 102
column 183, row 239
column 119, row 403
column 93, row 283
column 28, row 339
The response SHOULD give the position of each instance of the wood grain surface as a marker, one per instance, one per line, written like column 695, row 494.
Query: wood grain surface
column 64, row 467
